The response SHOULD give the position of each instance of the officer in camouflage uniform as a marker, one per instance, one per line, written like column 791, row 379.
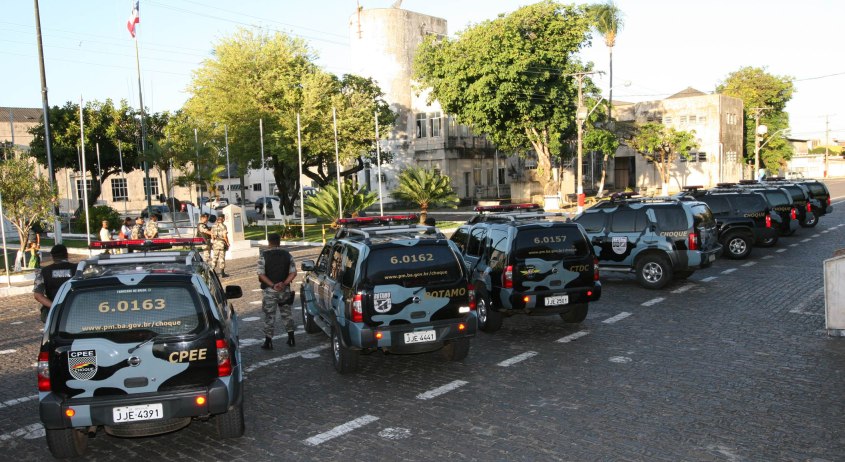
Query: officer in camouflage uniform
column 204, row 232
column 138, row 229
column 276, row 270
column 219, row 244
column 151, row 230
column 50, row 278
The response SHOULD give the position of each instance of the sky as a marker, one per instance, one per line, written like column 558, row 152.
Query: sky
column 663, row 47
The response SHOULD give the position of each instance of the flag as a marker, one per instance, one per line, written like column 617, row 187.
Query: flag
column 133, row 19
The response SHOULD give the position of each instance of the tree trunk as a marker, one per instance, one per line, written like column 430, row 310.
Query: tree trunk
column 603, row 175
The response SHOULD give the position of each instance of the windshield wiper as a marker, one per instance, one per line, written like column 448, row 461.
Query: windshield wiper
column 132, row 350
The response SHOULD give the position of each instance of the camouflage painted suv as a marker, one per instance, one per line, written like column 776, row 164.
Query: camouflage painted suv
column 657, row 238
column 139, row 344
column 383, row 285
column 522, row 260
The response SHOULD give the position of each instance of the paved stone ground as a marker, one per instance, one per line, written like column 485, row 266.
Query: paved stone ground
column 732, row 364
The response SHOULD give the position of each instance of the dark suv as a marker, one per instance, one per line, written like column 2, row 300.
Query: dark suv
column 383, row 285
column 657, row 238
column 780, row 200
column 526, row 262
column 818, row 191
column 139, row 344
column 743, row 217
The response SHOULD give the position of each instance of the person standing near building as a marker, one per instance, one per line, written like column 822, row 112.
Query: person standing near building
column 219, row 244
column 205, row 233
column 126, row 229
column 276, row 271
column 137, row 230
column 50, row 278
column 151, row 230
column 105, row 234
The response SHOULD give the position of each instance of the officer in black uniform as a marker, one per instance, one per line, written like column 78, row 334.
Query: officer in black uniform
column 276, row 270
column 50, row 278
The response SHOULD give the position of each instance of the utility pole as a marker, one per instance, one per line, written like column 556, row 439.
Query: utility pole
column 51, row 174
column 757, row 138
column 826, row 142
column 581, row 115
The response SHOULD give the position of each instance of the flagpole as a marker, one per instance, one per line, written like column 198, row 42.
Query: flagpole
column 84, row 174
column 301, row 189
column 378, row 166
column 125, row 184
column 228, row 167
column 263, row 177
column 5, row 255
column 149, row 189
column 337, row 163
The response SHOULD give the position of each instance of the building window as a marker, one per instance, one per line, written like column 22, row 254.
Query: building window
column 732, row 156
column 501, row 176
column 421, row 126
column 118, row 189
column 151, row 187
column 702, row 119
column 683, row 120
column 435, row 123
column 476, row 176
column 235, row 187
column 79, row 188
column 667, row 121
column 256, row 187
column 702, row 157
column 692, row 119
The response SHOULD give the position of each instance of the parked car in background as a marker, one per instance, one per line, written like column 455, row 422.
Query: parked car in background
column 261, row 202
column 219, row 202
column 157, row 210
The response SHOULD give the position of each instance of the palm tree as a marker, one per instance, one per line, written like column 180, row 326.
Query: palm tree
column 426, row 189
column 323, row 204
column 607, row 20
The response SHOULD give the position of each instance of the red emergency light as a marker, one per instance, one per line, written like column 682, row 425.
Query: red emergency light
column 158, row 242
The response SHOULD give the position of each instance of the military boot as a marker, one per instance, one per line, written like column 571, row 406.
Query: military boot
column 291, row 340
column 268, row 344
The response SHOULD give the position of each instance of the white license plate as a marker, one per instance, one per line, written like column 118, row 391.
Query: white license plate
column 712, row 257
column 557, row 300
column 421, row 336
column 137, row 413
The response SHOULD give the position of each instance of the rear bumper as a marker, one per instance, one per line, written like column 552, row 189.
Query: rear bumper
column 701, row 258
column 362, row 336
column 98, row 411
column 534, row 302
column 764, row 234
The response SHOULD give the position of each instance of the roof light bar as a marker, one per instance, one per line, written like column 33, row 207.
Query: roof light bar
column 158, row 242
column 508, row 207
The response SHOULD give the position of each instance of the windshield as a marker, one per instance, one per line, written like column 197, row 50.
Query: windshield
column 552, row 243
column 161, row 310
column 412, row 266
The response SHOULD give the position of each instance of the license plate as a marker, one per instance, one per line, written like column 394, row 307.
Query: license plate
column 557, row 300
column 421, row 336
column 711, row 257
column 137, row 413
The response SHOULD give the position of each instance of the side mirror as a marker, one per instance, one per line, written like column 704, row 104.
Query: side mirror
column 596, row 241
column 307, row 265
column 233, row 292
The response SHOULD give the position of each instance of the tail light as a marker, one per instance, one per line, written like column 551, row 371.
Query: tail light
column 358, row 308
column 224, row 360
column 768, row 221
column 693, row 241
column 507, row 277
column 793, row 214
column 43, row 371
column 809, row 207
column 471, row 296
column 595, row 269
column 828, row 200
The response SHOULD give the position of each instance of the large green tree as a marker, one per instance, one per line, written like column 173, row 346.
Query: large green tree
column 766, row 94
column 512, row 78
column 255, row 76
column 663, row 146
column 605, row 143
column 26, row 197
column 606, row 18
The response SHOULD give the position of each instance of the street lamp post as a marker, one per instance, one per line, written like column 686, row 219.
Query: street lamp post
column 759, row 132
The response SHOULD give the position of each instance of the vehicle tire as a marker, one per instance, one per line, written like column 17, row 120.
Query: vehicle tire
column 489, row 320
column 577, row 314
column 810, row 223
column 345, row 359
column 654, row 271
column 66, row 443
column 737, row 246
column 231, row 424
column 770, row 242
column 456, row 350
column 308, row 323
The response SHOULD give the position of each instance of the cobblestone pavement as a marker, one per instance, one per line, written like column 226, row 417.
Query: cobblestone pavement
column 732, row 364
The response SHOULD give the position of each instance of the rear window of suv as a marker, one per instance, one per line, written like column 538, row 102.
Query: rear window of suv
column 777, row 198
column 671, row 218
column 412, row 266
column 162, row 310
column 817, row 189
column 553, row 243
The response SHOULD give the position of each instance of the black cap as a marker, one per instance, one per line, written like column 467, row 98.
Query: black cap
column 59, row 251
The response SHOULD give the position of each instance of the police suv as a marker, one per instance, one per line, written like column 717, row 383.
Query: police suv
column 525, row 261
column 380, row 284
column 140, row 344
column 658, row 238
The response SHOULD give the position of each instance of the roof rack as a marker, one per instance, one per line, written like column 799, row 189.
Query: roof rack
column 378, row 220
column 693, row 188
column 509, row 208
column 627, row 197
column 515, row 216
column 411, row 230
column 99, row 264
column 748, row 182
